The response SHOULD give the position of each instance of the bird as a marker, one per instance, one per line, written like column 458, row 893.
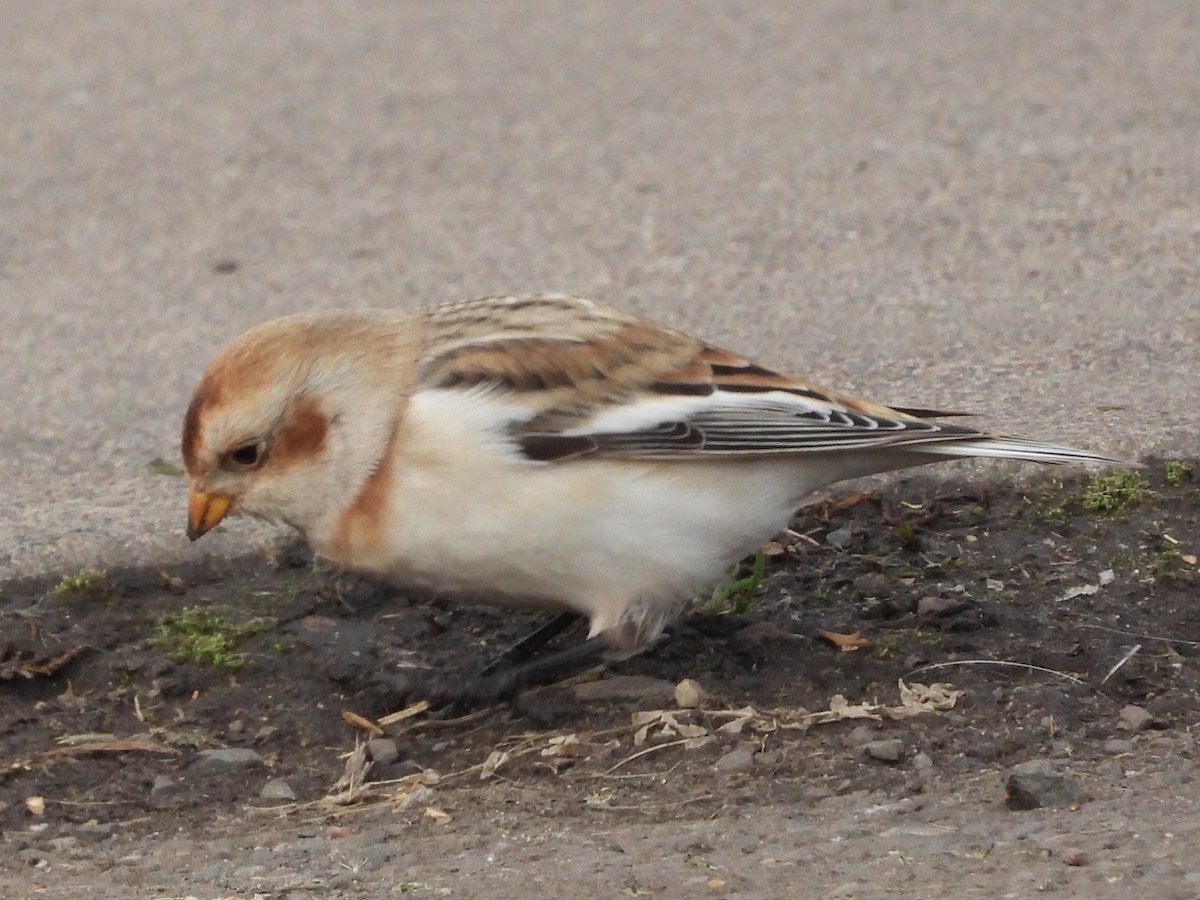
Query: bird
column 540, row 451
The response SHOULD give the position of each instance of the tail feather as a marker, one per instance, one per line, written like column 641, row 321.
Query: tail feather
column 1020, row 448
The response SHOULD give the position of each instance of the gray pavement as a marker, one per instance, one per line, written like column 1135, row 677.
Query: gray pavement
column 992, row 206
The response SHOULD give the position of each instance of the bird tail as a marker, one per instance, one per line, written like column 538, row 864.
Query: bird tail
column 1020, row 448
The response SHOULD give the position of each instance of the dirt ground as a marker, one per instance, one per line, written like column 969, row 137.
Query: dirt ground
column 1053, row 634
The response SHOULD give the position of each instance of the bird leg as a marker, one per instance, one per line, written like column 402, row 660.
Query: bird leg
column 527, row 646
column 452, row 699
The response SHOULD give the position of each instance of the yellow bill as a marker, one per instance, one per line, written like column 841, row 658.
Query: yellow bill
column 205, row 511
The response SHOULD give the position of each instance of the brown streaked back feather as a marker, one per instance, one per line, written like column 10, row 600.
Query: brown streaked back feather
column 570, row 360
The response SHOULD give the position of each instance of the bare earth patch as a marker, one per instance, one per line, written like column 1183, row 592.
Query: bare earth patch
column 183, row 733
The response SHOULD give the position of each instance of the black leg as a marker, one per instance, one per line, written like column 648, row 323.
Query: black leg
column 527, row 646
column 452, row 699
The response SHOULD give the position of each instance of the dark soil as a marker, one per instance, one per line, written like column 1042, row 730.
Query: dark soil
column 929, row 573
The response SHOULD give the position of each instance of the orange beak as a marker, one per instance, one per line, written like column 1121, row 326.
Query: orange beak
column 205, row 511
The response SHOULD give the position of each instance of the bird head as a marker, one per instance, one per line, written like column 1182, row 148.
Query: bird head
column 289, row 420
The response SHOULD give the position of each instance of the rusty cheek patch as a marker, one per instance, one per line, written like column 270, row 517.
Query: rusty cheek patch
column 303, row 436
column 360, row 532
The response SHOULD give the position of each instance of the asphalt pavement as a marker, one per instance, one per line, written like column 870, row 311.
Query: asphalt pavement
column 991, row 206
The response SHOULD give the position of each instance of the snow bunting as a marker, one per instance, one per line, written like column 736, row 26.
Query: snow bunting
column 543, row 451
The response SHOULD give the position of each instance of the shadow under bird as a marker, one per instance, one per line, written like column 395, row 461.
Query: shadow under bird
column 540, row 451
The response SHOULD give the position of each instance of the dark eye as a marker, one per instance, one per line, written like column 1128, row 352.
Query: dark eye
column 247, row 456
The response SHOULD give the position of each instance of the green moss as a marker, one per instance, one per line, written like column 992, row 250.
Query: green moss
column 204, row 637
column 1177, row 472
column 1167, row 563
column 1122, row 561
column 889, row 645
column 87, row 581
column 1113, row 492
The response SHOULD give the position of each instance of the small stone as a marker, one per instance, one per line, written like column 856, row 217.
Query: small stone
column 32, row 856
column 228, row 758
column 383, row 751
column 162, row 784
column 165, row 792
column 768, row 758
column 422, row 796
column 1135, row 718
column 1037, row 766
column 859, row 735
column 342, row 880
column 689, row 694
column 839, row 539
column 890, row 750
column 872, row 584
column 625, row 687
column 92, row 831
column 735, row 760
column 1117, row 746
column 1036, row 791
column 1073, row 856
column 277, row 789
column 938, row 607
column 1061, row 749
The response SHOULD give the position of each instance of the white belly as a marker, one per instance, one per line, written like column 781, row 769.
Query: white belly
column 625, row 543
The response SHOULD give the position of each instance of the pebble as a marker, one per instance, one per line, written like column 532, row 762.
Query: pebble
column 1037, row 791
column 277, row 789
column 1037, row 766
column 1073, row 856
column 165, row 792
column 383, row 751
column 1135, row 718
column 768, row 758
column 735, row 760
column 33, row 856
column 422, row 796
column 625, row 687
column 934, row 607
column 228, row 758
column 872, row 584
column 840, row 538
column 689, row 694
column 890, row 750
column 859, row 735
column 1061, row 749
column 96, row 831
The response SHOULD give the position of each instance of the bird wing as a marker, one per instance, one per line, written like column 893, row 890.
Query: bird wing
column 601, row 382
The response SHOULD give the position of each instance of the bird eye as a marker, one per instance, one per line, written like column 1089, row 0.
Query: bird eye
column 247, row 456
